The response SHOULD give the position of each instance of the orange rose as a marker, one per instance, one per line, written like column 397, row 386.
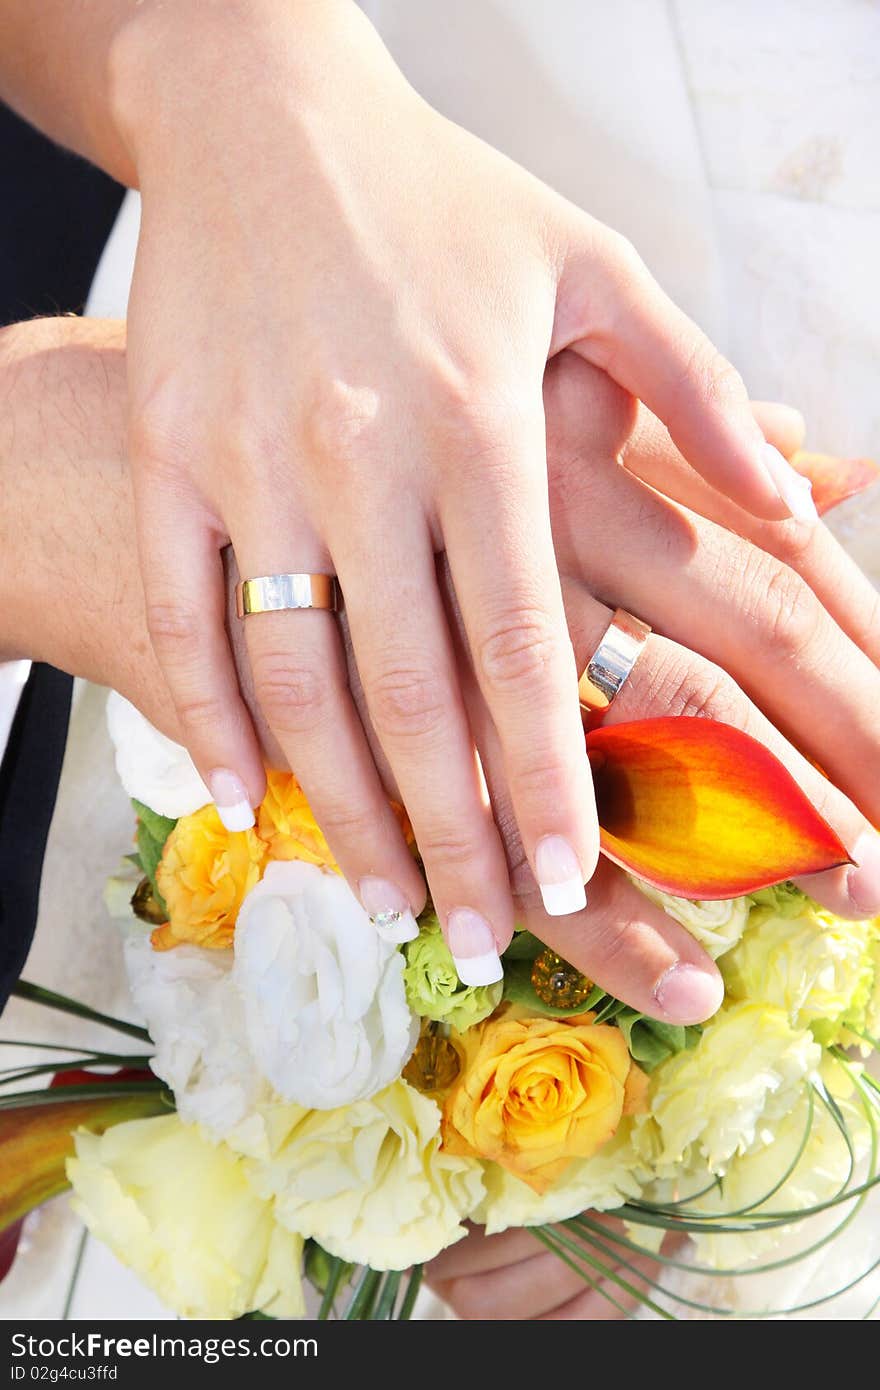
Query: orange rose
column 537, row 1092
column 290, row 831
column 286, row 825
column 204, row 874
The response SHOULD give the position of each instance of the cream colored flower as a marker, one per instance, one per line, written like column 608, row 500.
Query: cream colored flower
column 368, row 1181
column 748, row 1069
column 815, row 1177
column 717, row 925
column 611, row 1177
column 816, row 966
column 181, row 1213
column 325, row 1005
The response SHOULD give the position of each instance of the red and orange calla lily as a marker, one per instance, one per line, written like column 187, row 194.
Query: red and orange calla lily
column 835, row 479
column 702, row 810
column 36, row 1140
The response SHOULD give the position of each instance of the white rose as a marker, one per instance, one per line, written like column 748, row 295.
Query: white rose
column 194, row 1014
column 325, row 1004
column 152, row 768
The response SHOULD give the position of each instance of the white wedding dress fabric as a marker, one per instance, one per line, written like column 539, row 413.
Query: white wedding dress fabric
column 736, row 145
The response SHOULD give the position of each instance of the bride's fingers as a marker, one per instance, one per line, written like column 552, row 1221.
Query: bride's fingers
column 650, row 454
column 406, row 666
column 622, row 940
column 301, row 688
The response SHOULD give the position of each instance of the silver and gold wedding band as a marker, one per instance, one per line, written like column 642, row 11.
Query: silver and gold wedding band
column 275, row 593
column 612, row 662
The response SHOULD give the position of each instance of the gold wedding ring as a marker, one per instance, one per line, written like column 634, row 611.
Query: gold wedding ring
column 612, row 661
column 274, row 593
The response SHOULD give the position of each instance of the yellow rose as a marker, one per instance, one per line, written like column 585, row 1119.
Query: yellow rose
column 537, row 1092
column 204, row 874
column 287, row 826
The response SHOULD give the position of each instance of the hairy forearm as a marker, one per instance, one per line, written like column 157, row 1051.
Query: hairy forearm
column 63, row 485
column 70, row 586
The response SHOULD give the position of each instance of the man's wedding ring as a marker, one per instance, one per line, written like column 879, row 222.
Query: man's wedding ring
column 274, row 593
column 611, row 662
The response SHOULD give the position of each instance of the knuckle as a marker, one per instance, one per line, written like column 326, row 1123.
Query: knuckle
column 786, row 613
column 446, row 849
column 519, row 648
column 624, row 257
column 291, row 697
column 405, row 703
column 697, row 689
column 172, row 624
column 344, row 823
column 793, row 543
column 716, row 379
column 201, row 712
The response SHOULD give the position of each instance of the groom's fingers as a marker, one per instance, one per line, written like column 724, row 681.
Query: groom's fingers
column 669, row 679
column 752, row 615
column 836, row 580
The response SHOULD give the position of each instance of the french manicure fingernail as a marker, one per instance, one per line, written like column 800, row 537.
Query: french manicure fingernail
column 687, row 994
column 559, row 876
column 863, row 878
column 474, row 950
column 231, row 799
column 795, row 490
column 389, row 909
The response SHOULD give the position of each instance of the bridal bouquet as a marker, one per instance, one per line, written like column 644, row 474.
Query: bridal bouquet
column 318, row 1101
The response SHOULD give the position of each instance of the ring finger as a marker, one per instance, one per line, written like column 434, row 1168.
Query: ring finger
column 301, row 687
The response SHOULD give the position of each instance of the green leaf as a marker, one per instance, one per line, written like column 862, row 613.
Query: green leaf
column 524, row 946
column 158, row 827
column 518, row 988
column 150, row 854
column 651, row 1042
column 152, row 832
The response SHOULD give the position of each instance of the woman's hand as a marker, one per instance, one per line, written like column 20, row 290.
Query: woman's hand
column 341, row 313
column 70, row 514
column 512, row 1277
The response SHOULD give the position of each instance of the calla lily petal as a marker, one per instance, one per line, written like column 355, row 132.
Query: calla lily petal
column 835, row 479
column 701, row 810
column 36, row 1140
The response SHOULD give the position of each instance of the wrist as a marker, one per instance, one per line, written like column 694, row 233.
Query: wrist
column 172, row 66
